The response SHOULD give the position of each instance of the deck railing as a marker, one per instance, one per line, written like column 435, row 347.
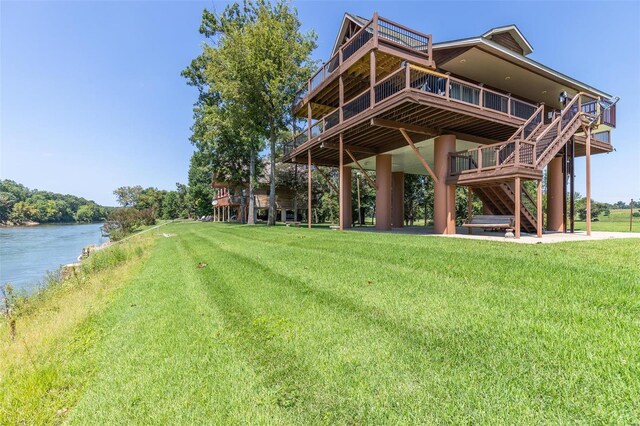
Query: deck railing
column 411, row 77
column 515, row 153
column 377, row 28
column 525, row 151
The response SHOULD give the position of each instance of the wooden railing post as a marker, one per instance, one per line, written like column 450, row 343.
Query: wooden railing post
column 509, row 104
column 481, row 100
column 446, row 89
column 497, row 156
column 372, row 71
column 517, row 151
column 375, row 28
column 340, row 97
column 479, row 159
column 308, row 120
column 408, row 76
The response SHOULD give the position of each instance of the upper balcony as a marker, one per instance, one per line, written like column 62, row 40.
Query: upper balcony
column 438, row 89
column 391, row 39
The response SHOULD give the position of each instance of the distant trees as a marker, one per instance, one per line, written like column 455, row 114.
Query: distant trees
column 19, row 204
column 155, row 203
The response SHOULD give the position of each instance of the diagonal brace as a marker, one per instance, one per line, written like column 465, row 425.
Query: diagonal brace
column 420, row 157
column 327, row 179
column 366, row 175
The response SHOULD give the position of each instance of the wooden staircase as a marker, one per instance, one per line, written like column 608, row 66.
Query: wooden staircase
column 490, row 170
column 500, row 200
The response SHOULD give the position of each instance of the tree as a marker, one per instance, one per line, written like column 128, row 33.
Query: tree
column 258, row 60
column 127, row 196
column 200, row 193
column 88, row 213
column 7, row 200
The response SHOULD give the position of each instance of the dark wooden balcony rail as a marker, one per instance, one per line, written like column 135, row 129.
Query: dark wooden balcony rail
column 413, row 78
column 377, row 28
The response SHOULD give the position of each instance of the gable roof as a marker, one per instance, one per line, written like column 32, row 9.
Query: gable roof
column 514, row 32
column 348, row 17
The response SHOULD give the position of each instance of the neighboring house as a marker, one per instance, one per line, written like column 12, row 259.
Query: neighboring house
column 228, row 201
column 475, row 112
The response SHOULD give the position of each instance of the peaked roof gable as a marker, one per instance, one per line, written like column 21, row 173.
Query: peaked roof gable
column 347, row 20
column 497, row 35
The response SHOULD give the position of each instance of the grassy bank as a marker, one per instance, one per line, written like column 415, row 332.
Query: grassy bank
column 225, row 323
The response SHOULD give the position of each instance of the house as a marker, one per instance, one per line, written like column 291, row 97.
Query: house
column 474, row 112
column 230, row 202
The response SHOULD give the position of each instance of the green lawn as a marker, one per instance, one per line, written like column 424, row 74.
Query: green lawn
column 297, row 326
column 616, row 221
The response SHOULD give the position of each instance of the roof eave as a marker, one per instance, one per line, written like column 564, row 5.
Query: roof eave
column 475, row 41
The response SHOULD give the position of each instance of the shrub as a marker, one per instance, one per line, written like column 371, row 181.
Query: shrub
column 147, row 217
column 122, row 222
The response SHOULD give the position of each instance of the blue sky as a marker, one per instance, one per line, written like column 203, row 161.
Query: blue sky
column 91, row 96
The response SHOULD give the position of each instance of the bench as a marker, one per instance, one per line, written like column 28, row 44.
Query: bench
column 295, row 224
column 492, row 222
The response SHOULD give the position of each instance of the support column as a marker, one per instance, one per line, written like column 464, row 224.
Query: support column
column 309, row 189
column 345, row 197
column 444, row 212
column 397, row 199
column 341, row 179
column 588, row 174
column 283, row 215
column 539, row 217
column 518, row 213
column 383, row 192
column 469, row 207
column 554, row 195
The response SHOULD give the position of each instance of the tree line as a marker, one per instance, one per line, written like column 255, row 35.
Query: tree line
column 19, row 205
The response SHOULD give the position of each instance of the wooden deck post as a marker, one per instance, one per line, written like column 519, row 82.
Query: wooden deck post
column 341, row 185
column 588, row 173
column 469, row 207
column 308, row 120
column 340, row 98
column 518, row 207
column 309, row 188
column 539, row 217
column 383, row 192
column 372, row 77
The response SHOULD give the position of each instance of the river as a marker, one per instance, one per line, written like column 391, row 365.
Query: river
column 28, row 253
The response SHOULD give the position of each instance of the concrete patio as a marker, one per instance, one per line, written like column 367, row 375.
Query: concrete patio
column 525, row 238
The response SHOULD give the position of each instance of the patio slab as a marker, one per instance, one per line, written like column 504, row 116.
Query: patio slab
column 525, row 238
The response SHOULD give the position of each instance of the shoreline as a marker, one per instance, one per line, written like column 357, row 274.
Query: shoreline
column 19, row 225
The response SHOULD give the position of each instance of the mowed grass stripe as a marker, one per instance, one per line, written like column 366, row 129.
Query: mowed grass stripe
column 521, row 271
column 163, row 361
column 258, row 249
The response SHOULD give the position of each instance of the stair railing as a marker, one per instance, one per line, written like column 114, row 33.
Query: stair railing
column 562, row 122
column 519, row 134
